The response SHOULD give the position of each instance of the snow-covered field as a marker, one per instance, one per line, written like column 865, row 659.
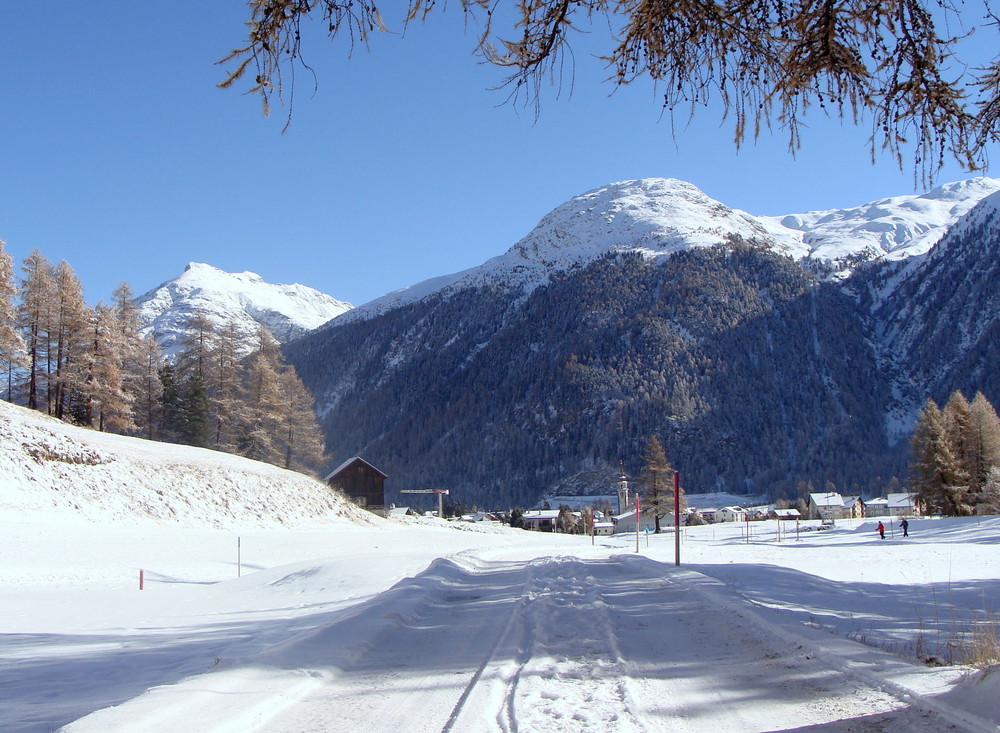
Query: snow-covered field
column 327, row 620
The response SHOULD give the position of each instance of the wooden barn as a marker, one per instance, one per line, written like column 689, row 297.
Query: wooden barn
column 361, row 481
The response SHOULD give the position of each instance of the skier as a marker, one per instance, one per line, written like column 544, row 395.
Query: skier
column 905, row 525
column 881, row 530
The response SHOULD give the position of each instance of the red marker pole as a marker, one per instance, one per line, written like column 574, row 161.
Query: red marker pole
column 637, row 521
column 677, row 518
column 140, row 579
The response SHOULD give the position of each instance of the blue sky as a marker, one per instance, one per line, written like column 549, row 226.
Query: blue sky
column 122, row 157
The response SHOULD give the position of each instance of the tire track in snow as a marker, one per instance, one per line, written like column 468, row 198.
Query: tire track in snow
column 558, row 667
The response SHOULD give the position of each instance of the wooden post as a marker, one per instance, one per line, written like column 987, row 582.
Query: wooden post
column 141, row 579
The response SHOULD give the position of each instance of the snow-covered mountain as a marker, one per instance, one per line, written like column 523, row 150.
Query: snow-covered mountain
column 243, row 299
column 661, row 216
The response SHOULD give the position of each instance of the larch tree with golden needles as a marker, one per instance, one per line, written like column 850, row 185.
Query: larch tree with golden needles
column 767, row 61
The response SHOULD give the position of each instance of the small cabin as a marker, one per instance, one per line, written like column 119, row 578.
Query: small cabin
column 361, row 481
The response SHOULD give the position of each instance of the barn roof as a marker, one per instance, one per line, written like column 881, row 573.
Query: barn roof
column 350, row 462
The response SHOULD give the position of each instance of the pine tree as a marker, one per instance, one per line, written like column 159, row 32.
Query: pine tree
column 196, row 417
column 194, row 381
column 11, row 343
column 171, row 413
column 195, row 356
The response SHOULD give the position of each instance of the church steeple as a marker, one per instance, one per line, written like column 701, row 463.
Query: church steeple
column 623, row 493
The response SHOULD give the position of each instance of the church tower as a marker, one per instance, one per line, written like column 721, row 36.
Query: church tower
column 623, row 497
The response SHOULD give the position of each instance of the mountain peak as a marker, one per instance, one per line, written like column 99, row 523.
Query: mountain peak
column 244, row 299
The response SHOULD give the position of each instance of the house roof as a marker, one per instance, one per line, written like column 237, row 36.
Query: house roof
column 541, row 514
column 787, row 513
column 901, row 500
column 827, row 498
column 350, row 462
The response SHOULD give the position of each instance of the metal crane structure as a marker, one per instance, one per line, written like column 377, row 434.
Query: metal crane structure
column 440, row 492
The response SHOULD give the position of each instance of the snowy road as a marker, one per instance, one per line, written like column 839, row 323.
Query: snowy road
column 553, row 644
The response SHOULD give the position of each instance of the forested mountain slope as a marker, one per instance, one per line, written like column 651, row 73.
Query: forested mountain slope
column 757, row 373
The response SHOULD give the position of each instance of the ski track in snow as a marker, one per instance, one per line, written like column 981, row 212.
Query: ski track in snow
column 622, row 644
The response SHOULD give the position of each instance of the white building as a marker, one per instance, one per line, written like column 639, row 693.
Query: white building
column 902, row 505
column 625, row 522
column 730, row 514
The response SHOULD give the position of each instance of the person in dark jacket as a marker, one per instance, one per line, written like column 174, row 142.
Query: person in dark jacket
column 906, row 526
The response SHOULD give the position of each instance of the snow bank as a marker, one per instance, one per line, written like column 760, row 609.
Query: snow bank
column 49, row 466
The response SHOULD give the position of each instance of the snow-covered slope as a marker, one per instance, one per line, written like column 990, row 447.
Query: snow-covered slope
column 891, row 228
column 660, row 216
column 49, row 466
column 244, row 299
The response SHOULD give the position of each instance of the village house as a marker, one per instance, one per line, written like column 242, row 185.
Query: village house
column 603, row 527
column 625, row 522
column 540, row 520
column 878, row 507
column 902, row 505
column 827, row 505
column 854, row 507
column 784, row 514
column 730, row 514
column 707, row 514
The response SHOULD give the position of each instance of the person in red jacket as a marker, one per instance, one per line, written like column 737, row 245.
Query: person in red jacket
column 881, row 530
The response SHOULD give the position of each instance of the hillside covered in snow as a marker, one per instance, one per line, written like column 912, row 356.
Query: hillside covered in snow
column 49, row 466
